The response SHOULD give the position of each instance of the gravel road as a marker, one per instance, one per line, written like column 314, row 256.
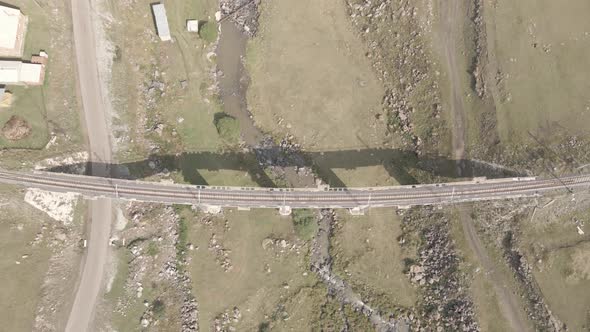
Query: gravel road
column 90, row 283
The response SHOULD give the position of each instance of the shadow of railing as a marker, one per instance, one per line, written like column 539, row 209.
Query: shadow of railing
column 398, row 163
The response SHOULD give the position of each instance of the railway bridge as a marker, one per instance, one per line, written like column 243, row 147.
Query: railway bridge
column 357, row 200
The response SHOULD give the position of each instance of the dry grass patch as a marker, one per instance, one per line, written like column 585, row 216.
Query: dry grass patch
column 558, row 253
column 242, row 262
column 22, row 265
column 542, row 49
column 367, row 254
column 310, row 77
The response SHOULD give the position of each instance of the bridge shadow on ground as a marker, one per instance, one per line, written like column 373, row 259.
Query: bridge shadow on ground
column 404, row 166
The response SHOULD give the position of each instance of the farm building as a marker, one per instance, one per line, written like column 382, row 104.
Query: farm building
column 23, row 73
column 161, row 20
column 13, row 25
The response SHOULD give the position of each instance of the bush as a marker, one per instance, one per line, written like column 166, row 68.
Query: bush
column 304, row 222
column 264, row 327
column 228, row 127
column 158, row 307
column 208, row 32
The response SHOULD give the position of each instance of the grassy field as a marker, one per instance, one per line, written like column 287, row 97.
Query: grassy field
column 370, row 243
column 186, row 109
column 21, row 283
column 51, row 109
column 260, row 278
column 559, row 256
column 309, row 74
column 542, row 49
column 187, row 113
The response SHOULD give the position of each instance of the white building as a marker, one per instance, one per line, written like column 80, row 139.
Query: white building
column 16, row 72
column 161, row 19
column 13, row 25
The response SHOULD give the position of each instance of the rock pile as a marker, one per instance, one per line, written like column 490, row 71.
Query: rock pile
column 402, row 62
column 16, row 128
column 281, row 246
column 221, row 254
column 444, row 303
column 243, row 12
column 227, row 320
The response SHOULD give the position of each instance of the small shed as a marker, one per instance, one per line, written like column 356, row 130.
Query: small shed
column 161, row 21
column 192, row 25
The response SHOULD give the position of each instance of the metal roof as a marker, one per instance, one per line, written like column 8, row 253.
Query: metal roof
column 161, row 21
column 12, row 72
column 9, row 21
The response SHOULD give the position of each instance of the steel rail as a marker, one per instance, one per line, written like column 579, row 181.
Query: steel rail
column 264, row 195
column 274, row 197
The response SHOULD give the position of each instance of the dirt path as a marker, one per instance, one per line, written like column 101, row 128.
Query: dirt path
column 507, row 300
column 90, row 284
column 452, row 13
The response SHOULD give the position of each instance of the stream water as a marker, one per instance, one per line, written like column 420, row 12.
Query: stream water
column 233, row 83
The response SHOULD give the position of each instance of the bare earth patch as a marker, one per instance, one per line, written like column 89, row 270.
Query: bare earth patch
column 59, row 206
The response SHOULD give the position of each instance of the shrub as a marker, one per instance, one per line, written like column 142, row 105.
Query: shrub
column 158, row 307
column 208, row 31
column 228, row 127
column 304, row 222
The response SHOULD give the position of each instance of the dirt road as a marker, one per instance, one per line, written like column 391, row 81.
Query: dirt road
column 450, row 32
column 90, row 284
column 452, row 17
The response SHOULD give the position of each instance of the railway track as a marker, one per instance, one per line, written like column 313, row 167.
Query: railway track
column 252, row 197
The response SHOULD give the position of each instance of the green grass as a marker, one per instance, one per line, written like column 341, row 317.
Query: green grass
column 153, row 249
column 247, row 285
column 182, row 242
column 370, row 243
column 29, row 104
column 22, row 284
column 208, row 31
column 188, row 111
column 52, row 106
column 304, row 222
column 309, row 69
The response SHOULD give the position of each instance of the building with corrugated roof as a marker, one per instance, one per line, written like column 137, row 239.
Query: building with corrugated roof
column 13, row 25
column 162, row 27
column 23, row 73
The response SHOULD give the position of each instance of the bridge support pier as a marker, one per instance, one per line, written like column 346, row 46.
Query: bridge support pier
column 357, row 211
column 285, row 211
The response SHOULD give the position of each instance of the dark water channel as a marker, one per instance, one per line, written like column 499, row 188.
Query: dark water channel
column 234, row 80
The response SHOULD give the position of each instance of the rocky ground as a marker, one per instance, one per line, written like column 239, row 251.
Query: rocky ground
column 501, row 223
column 16, row 128
column 397, row 47
column 243, row 12
column 444, row 303
column 154, row 242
